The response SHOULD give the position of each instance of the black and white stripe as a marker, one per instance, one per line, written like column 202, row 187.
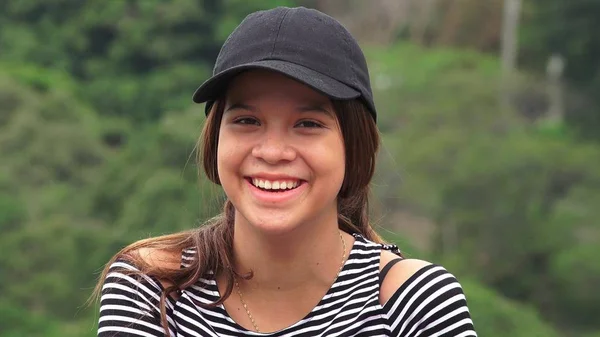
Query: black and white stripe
column 430, row 303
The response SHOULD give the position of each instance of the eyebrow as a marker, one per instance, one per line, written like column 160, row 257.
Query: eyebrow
column 240, row 106
column 317, row 107
column 312, row 107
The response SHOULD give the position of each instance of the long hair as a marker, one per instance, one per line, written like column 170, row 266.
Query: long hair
column 212, row 242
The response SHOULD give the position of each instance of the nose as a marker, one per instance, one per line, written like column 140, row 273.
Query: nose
column 274, row 147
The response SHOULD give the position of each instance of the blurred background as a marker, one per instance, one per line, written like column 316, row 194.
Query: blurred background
column 489, row 111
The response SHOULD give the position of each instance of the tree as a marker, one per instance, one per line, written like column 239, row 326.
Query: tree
column 135, row 59
column 569, row 29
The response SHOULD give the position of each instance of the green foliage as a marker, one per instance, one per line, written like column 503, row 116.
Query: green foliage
column 98, row 147
column 13, row 213
column 568, row 28
column 503, row 207
column 513, row 200
column 564, row 27
column 55, row 129
column 495, row 316
column 134, row 59
column 17, row 321
column 575, row 270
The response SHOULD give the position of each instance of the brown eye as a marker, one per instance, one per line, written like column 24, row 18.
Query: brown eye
column 309, row 124
column 247, row 121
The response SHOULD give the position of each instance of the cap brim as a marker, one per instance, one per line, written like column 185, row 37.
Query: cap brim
column 214, row 87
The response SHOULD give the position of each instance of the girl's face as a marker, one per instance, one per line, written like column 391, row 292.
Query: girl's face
column 280, row 155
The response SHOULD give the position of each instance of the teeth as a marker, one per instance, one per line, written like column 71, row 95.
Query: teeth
column 274, row 185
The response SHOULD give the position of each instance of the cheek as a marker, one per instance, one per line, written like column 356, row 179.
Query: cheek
column 329, row 161
column 226, row 156
column 340, row 159
column 341, row 167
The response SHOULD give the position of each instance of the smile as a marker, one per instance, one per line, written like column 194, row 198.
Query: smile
column 275, row 185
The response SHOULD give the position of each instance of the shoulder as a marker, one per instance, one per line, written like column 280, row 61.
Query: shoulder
column 135, row 269
column 130, row 299
column 125, row 287
column 160, row 260
column 421, row 299
column 398, row 274
column 130, row 278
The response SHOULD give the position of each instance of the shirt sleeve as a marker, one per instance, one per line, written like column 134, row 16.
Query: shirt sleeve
column 129, row 304
column 430, row 303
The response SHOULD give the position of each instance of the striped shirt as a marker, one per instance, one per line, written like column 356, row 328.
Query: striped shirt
column 429, row 303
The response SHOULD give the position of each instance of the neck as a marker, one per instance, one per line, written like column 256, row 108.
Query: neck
column 286, row 261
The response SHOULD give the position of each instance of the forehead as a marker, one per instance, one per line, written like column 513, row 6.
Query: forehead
column 263, row 84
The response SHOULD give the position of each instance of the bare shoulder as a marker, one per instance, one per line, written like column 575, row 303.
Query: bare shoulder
column 398, row 274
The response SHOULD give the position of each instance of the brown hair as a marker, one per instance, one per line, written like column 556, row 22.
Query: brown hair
column 213, row 241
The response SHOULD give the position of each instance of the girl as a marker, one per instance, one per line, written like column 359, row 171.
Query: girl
column 291, row 137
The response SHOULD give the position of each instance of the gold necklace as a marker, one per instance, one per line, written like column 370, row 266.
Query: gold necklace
column 239, row 291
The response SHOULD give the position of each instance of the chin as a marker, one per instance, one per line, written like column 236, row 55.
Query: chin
column 273, row 225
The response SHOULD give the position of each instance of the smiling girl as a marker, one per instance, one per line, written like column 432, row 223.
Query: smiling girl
column 291, row 137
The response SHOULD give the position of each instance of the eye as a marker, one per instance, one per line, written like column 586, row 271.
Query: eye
column 309, row 124
column 246, row 121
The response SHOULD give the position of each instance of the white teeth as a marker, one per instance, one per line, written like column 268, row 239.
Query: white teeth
column 274, row 185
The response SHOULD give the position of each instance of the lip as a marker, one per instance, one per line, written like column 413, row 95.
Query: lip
column 273, row 177
column 276, row 197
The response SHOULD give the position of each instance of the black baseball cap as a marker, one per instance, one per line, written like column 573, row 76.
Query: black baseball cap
column 304, row 44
